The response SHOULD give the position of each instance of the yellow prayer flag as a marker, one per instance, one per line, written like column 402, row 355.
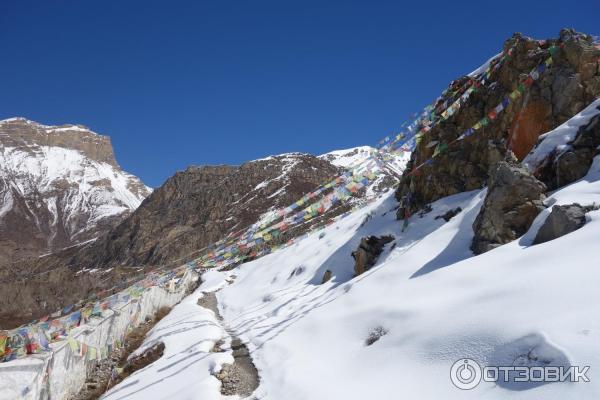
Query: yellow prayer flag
column 73, row 344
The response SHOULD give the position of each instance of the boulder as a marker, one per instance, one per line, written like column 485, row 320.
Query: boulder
column 515, row 197
column 367, row 253
column 561, row 221
column 449, row 214
column 327, row 276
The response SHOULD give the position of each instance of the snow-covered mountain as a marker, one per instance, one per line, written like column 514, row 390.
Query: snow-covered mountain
column 494, row 263
column 396, row 330
column 59, row 186
column 204, row 204
column 389, row 170
column 348, row 158
column 192, row 209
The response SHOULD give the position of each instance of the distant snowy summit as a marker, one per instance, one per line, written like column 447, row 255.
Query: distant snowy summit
column 389, row 170
column 348, row 158
column 59, row 186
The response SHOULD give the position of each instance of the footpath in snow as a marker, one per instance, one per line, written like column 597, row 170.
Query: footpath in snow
column 186, row 369
column 396, row 330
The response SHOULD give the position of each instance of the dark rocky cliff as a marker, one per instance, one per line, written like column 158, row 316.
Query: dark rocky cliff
column 563, row 90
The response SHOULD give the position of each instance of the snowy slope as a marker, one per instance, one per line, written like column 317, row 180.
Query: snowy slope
column 388, row 172
column 436, row 301
column 185, row 369
column 43, row 171
column 348, row 158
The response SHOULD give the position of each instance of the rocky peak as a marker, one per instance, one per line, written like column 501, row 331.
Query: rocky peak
column 29, row 136
column 562, row 90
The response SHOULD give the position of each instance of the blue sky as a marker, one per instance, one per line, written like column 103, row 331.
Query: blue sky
column 191, row 82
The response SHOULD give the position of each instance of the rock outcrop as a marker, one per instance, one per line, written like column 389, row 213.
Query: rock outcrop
column 514, row 199
column 566, row 165
column 561, row 221
column 368, row 251
column 572, row 82
column 448, row 215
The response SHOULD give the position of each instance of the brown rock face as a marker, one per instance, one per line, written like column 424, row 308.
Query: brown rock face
column 562, row 91
column 27, row 135
column 528, row 124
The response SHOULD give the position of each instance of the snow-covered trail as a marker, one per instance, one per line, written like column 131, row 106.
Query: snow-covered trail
column 185, row 371
column 435, row 302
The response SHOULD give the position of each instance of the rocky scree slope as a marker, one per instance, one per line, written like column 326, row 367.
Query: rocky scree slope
column 59, row 186
column 201, row 205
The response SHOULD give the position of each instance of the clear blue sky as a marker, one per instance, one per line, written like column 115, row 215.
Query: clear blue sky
column 177, row 83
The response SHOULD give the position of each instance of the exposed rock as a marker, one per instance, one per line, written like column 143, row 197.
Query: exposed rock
column 561, row 221
column 376, row 334
column 514, row 198
column 367, row 253
column 240, row 378
column 449, row 214
column 389, row 173
column 326, row 276
column 566, row 165
column 563, row 90
column 142, row 360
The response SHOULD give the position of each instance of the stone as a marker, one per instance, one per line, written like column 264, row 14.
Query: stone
column 514, row 199
column 449, row 214
column 561, row 221
column 367, row 253
column 326, row 276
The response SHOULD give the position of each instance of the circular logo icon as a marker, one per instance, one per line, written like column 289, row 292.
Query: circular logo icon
column 465, row 374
